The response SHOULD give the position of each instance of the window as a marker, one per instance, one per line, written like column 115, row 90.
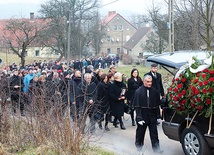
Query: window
column 118, row 50
column 121, row 27
column 37, row 53
column 108, row 50
column 115, row 27
column 127, row 38
column 108, row 38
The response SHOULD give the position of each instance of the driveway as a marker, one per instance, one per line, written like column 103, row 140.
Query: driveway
column 121, row 142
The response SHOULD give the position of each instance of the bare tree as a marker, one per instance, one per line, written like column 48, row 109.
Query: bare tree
column 20, row 34
column 74, row 13
column 159, row 22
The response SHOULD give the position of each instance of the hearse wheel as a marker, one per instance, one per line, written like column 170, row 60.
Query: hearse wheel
column 193, row 142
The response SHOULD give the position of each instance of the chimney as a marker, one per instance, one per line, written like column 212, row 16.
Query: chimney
column 32, row 16
column 111, row 13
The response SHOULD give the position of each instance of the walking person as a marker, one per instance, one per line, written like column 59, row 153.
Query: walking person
column 157, row 84
column 134, row 82
column 117, row 97
column 103, row 100
column 16, row 85
column 87, row 95
column 146, row 99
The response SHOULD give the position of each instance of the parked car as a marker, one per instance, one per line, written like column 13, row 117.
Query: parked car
column 194, row 140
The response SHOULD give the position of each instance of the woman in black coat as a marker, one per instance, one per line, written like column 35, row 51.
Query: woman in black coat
column 134, row 82
column 117, row 99
column 103, row 100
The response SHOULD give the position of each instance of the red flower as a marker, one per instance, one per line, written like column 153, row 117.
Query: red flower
column 199, row 107
column 200, row 84
column 203, row 75
column 204, row 90
column 199, row 99
column 177, row 79
column 196, row 80
column 208, row 101
column 206, row 82
column 211, row 79
column 192, row 105
column 197, row 91
column 180, row 85
column 179, row 95
column 211, row 72
column 198, row 74
column 170, row 88
column 205, row 70
column 175, row 90
column 175, row 98
column 183, row 92
column 211, row 90
column 184, row 80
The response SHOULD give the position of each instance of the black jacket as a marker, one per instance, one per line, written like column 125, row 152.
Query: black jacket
column 102, row 97
column 117, row 106
column 146, row 109
column 132, row 86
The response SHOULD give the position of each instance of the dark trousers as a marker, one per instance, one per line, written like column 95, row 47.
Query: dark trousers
column 140, row 134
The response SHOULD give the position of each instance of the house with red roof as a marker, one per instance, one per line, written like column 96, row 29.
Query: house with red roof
column 17, row 33
column 117, row 32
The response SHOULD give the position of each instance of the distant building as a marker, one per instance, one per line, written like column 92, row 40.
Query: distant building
column 34, row 49
column 117, row 32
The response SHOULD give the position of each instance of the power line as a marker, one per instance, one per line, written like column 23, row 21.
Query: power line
column 109, row 3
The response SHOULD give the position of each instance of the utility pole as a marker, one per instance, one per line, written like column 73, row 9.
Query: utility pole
column 171, row 26
column 69, row 39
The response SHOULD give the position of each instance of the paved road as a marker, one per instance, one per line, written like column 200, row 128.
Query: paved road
column 122, row 141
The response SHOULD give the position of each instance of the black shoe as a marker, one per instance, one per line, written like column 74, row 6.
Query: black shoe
column 107, row 129
column 123, row 127
column 133, row 123
column 100, row 126
column 22, row 114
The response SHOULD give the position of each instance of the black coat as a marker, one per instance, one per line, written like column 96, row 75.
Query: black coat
column 117, row 106
column 85, row 93
column 73, row 88
column 157, row 82
column 103, row 97
column 16, row 92
column 132, row 86
column 146, row 110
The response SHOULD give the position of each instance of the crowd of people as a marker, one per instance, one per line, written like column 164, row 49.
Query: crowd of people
column 86, row 90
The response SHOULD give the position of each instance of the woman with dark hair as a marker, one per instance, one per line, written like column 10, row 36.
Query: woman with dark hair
column 134, row 82
column 103, row 100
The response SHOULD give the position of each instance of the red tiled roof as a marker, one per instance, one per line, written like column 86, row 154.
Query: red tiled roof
column 37, row 23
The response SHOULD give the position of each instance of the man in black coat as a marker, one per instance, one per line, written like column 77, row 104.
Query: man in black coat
column 145, row 101
column 157, row 84
column 87, row 95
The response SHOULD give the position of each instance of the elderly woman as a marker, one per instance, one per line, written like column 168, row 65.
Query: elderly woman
column 117, row 97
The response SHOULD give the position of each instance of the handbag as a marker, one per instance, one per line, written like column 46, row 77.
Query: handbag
column 127, row 108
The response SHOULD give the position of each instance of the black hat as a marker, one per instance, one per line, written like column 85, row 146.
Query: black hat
column 65, row 74
column 88, row 71
column 154, row 65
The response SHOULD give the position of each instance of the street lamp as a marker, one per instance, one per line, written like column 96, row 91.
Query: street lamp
column 69, row 38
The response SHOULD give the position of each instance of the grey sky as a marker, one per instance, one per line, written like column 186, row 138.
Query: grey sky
column 22, row 8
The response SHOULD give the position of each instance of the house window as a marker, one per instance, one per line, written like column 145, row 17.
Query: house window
column 120, row 27
column 118, row 50
column 108, row 50
column 115, row 27
column 37, row 53
column 108, row 38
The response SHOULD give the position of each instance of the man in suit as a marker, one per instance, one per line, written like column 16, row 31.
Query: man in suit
column 145, row 101
column 157, row 84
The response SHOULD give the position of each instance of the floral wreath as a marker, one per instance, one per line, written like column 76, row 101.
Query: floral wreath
column 193, row 89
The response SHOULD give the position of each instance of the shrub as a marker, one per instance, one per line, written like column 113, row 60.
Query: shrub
column 127, row 59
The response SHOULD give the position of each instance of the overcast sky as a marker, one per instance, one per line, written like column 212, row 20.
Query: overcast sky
column 22, row 8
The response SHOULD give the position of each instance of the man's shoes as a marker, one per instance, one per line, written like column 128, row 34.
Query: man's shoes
column 107, row 129
column 122, row 127
column 133, row 123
